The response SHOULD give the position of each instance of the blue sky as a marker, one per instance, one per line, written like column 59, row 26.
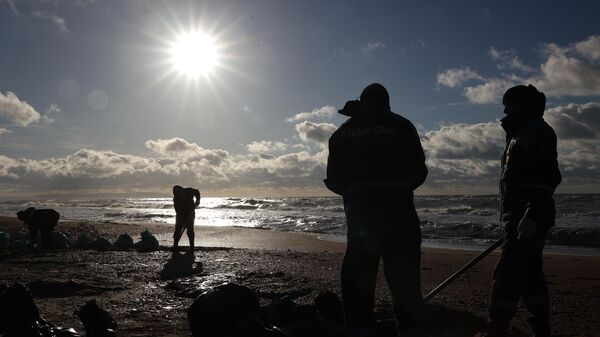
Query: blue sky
column 89, row 101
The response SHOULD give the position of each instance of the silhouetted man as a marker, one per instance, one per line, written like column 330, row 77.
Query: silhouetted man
column 528, row 179
column 39, row 221
column 375, row 162
column 185, row 205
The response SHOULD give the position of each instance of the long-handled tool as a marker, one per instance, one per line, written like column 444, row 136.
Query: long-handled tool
column 463, row 270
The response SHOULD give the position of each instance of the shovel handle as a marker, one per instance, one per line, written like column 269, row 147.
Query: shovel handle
column 463, row 270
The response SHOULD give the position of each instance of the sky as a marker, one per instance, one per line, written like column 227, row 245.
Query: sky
column 106, row 97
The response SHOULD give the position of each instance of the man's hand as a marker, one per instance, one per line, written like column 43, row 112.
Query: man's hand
column 527, row 228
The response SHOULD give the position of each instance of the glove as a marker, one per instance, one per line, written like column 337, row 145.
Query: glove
column 527, row 228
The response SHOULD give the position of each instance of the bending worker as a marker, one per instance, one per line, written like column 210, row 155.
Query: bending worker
column 185, row 205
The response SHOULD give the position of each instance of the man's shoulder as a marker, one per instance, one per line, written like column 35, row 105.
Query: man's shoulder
column 190, row 191
column 401, row 120
column 537, row 134
column 392, row 120
column 537, row 129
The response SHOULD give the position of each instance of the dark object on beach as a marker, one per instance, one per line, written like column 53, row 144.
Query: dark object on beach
column 149, row 242
column 124, row 242
column 19, row 316
column 100, row 244
column 18, row 312
column 329, row 307
column 4, row 239
column 226, row 311
column 83, row 241
column 59, row 241
column 375, row 163
column 39, row 220
column 528, row 178
column 96, row 321
column 185, row 201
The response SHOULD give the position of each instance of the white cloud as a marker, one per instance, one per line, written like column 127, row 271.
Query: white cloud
column 565, row 75
column 316, row 132
column 179, row 161
column 55, row 19
column 458, row 155
column 463, row 152
column 17, row 111
column 4, row 131
column 456, row 76
column 180, row 148
column 52, row 109
column 292, row 165
column 589, row 48
column 326, row 111
column 491, row 91
column 509, row 60
column 12, row 5
column 372, row 46
column 266, row 146
column 575, row 121
column 562, row 72
column 465, row 141
column 470, row 153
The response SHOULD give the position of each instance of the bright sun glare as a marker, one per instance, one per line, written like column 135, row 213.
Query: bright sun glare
column 194, row 54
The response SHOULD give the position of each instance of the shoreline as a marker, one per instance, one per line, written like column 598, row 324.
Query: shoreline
column 330, row 238
column 274, row 264
column 220, row 236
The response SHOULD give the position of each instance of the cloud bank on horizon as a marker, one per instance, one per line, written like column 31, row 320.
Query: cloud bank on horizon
column 462, row 157
column 458, row 155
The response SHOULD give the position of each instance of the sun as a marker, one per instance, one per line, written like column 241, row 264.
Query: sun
column 194, row 54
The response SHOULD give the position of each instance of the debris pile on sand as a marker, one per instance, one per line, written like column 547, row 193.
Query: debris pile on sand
column 19, row 241
column 149, row 243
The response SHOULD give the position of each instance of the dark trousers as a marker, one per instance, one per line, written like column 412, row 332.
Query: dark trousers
column 519, row 274
column 184, row 221
column 388, row 232
column 46, row 234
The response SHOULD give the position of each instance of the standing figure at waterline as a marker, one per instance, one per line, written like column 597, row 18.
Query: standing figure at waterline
column 528, row 179
column 185, row 205
column 375, row 162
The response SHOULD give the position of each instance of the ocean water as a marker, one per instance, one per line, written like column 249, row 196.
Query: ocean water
column 446, row 221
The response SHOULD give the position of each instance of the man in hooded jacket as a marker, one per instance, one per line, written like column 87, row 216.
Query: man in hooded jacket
column 375, row 162
column 529, row 176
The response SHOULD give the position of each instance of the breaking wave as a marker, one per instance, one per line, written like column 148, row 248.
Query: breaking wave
column 459, row 218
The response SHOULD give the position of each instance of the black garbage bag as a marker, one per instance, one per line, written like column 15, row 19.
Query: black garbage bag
column 96, row 321
column 18, row 312
column 124, row 242
column 19, row 316
column 100, row 244
column 228, row 310
column 149, row 243
column 329, row 307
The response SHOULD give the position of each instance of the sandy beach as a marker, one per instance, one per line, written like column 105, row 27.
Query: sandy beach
column 146, row 300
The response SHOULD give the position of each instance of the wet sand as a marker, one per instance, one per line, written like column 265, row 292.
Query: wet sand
column 147, row 300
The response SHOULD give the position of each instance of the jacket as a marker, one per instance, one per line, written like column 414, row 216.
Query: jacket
column 529, row 172
column 375, row 150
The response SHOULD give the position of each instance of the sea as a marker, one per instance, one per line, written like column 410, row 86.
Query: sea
column 448, row 221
